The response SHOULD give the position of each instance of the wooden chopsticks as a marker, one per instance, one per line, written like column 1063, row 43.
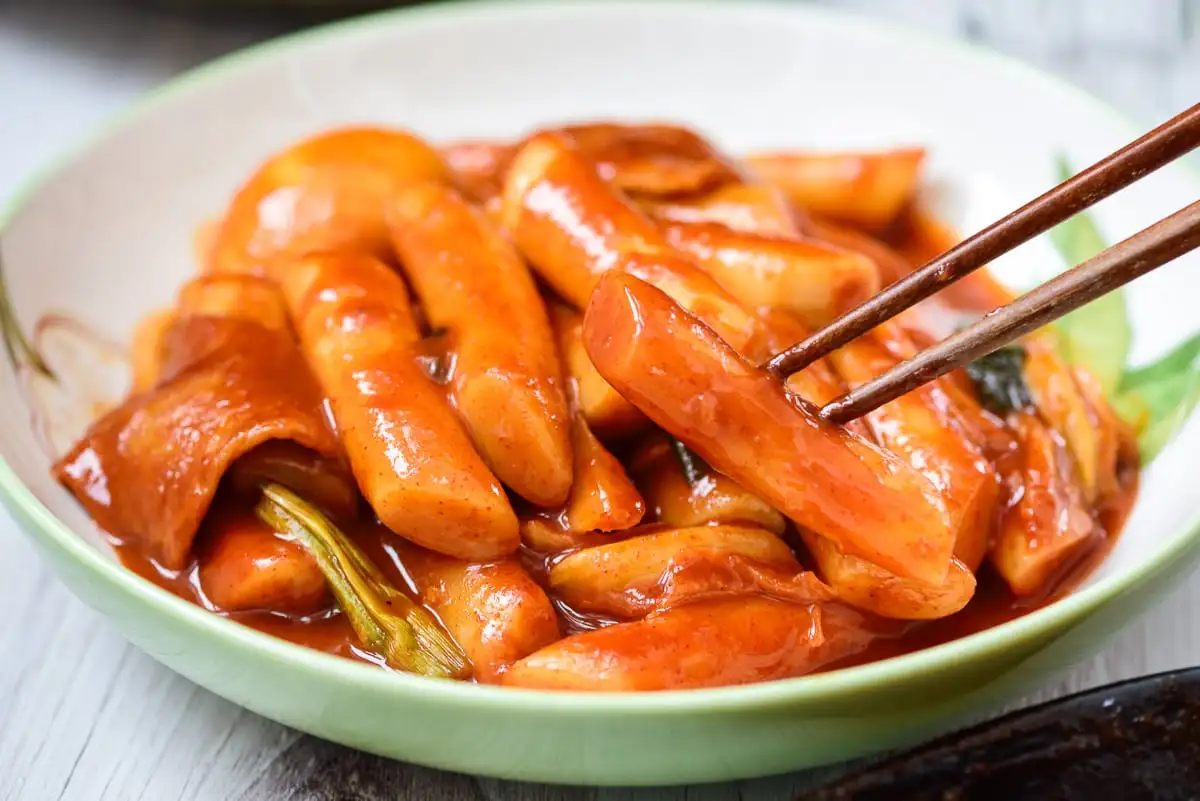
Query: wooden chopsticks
column 1120, row 264
column 1113, row 268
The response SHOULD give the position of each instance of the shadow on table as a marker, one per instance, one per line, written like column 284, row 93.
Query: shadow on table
column 315, row 770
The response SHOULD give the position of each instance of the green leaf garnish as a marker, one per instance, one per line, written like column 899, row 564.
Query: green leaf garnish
column 1156, row 398
column 1098, row 335
column 1170, row 409
column 384, row 618
column 1182, row 359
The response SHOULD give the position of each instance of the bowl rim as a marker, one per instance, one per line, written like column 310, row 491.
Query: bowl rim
column 50, row 531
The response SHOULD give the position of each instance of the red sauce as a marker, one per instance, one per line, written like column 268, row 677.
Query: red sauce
column 992, row 605
column 328, row 631
column 917, row 236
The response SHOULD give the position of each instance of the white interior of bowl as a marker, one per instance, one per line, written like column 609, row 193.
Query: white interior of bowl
column 108, row 236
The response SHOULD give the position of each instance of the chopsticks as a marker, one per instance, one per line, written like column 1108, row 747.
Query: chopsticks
column 1115, row 267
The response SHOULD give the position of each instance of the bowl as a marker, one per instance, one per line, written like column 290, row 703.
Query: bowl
column 106, row 235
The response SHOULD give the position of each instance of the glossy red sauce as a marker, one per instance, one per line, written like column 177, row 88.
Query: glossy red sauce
column 917, row 237
column 992, row 604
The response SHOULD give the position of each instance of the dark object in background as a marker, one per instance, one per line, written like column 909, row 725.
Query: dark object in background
column 1138, row 740
column 326, row 8
column 331, row 7
column 286, row 12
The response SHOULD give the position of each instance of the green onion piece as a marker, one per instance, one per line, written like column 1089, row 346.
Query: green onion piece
column 384, row 618
column 694, row 468
column 999, row 380
column 16, row 344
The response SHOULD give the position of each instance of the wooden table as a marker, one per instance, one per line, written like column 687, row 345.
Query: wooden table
column 83, row 715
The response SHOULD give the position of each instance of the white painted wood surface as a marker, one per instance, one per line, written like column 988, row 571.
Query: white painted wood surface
column 83, row 715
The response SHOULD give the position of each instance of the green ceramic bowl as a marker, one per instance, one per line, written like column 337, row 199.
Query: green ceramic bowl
column 106, row 236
